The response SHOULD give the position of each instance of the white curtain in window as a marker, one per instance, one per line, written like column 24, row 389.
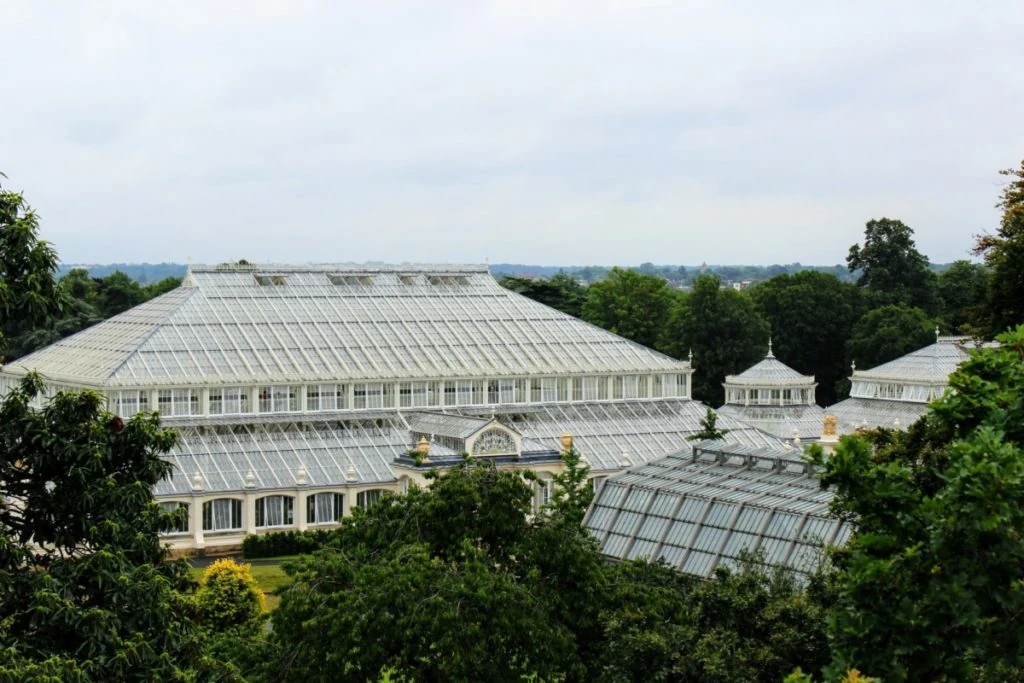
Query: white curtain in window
column 222, row 514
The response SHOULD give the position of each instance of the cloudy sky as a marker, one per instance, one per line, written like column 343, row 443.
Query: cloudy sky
column 534, row 132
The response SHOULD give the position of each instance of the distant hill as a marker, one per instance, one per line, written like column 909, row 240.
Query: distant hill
column 143, row 273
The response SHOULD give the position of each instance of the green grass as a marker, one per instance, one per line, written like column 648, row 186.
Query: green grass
column 270, row 577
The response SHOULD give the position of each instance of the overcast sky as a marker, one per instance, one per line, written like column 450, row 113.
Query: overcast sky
column 534, row 132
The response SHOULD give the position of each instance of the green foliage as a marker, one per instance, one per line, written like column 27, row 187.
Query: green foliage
column 722, row 328
column 279, row 543
column 741, row 626
column 963, row 288
column 28, row 292
column 629, row 304
column 886, row 333
column 561, row 292
column 891, row 268
column 86, row 591
column 1004, row 255
column 571, row 493
column 931, row 583
column 708, row 429
column 229, row 598
column 811, row 317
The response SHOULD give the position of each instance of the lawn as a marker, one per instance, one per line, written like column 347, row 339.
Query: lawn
column 269, row 574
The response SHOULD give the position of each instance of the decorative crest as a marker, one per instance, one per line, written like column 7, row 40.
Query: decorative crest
column 770, row 354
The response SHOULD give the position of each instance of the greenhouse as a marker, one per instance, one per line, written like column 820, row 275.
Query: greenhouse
column 774, row 398
column 300, row 391
column 704, row 507
column 897, row 393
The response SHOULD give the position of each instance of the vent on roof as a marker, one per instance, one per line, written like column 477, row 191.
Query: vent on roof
column 449, row 280
column 408, row 279
column 271, row 280
column 349, row 280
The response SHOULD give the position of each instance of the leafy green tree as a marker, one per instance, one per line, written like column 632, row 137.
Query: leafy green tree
column 229, row 598
column 962, row 289
column 930, row 585
column 86, row 592
column 155, row 289
column 561, row 292
column 28, row 290
column 891, row 268
column 722, row 328
column 709, row 431
column 741, row 626
column 1004, row 255
column 571, row 493
column 117, row 293
column 887, row 333
column 629, row 304
column 811, row 316
column 439, row 584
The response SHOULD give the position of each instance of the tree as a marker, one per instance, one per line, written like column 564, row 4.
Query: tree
column 561, row 292
column 629, row 304
column 887, row 333
column 572, row 493
column 722, row 328
column 930, row 585
column 229, row 598
column 87, row 591
column 811, row 316
column 891, row 268
column 708, row 430
column 439, row 584
column 1004, row 255
column 741, row 626
column 962, row 290
column 117, row 293
column 28, row 291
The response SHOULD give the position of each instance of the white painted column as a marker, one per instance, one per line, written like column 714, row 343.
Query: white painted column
column 249, row 513
column 300, row 511
column 195, row 521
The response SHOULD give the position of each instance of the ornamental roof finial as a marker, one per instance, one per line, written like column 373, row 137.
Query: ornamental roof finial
column 690, row 357
column 936, row 334
column 853, row 366
column 770, row 354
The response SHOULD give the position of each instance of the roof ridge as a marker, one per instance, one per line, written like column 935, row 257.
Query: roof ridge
column 155, row 326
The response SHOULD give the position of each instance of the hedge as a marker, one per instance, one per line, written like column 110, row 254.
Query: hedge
column 280, row 543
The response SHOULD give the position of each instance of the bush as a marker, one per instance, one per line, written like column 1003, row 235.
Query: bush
column 229, row 597
column 281, row 543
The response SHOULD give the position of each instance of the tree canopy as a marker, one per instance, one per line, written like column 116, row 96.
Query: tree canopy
column 891, row 268
column 629, row 304
column 886, row 333
column 722, row 328
column 561, row 292
column 812, row 315
column 1004, row 255
column 930, row 585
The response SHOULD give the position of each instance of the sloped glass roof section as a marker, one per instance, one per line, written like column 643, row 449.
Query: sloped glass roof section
column 700, row 510
column 321, row 323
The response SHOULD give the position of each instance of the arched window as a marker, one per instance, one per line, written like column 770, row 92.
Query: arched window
column 275, row 511
column 494, row 442
column 223, row 514
column 367, row 498
column 180, row 525
column 324, row 508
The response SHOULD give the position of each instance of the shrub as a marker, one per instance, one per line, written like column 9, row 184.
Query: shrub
column 229, row 597
column 284, row 543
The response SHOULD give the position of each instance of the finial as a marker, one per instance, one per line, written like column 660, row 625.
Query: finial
column 626, row 461
column 197, row 482
column 853, row 366
column 770, row 354
column 691, row 356
column 250, row 480
column 350, row 473
column 796, row 438
column 936, row 334
column 300, row 476
column 566, row 441
column 896, row 423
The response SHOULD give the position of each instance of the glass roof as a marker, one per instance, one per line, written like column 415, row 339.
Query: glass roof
column 223, row 455
column 934, row 363
column 869, row 413
column 698, row 511
column 769, row 371
column 281, row 324
column 779, row 421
